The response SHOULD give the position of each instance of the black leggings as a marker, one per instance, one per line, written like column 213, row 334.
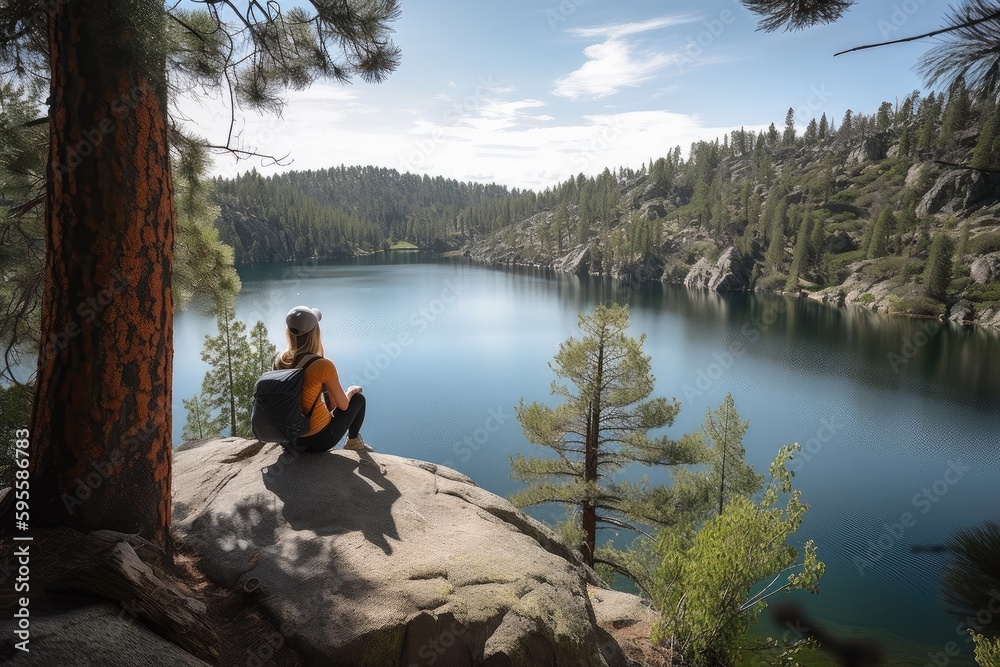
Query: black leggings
column 347, row 421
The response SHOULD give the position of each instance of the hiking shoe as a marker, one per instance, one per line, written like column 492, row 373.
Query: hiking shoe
column 357, row 445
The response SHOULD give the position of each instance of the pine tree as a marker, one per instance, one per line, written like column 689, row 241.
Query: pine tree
column 962, row 248
column 729, row 474
column 812, row 132
column 847, row 126
column 819, row 262
column 601, row 427
column 236, row 361
column 928, row 118
column 775, row 257
column 262, row 350
column 202, row 264
column 231, row 370
column 817, row 240
column 906, row 142
column 801, row 255
column 987, row 153
column 824, row 127
column 883, row 119
column 957, row 113
column 102, row 56
column 879, row 242
column 937, row 274
column 772, row 135
column 198, row 423
column 788, row 138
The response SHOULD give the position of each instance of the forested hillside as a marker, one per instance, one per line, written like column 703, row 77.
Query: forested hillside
column 896, row 210
column 353, row 210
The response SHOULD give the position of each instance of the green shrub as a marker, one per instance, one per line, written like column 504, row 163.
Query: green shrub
column 916, row 305
column 850, row 224
column 988, row 293
column 707, row 584
column 985, row 243
column 772, row 282
column 840, row 262
column 699, row 249
column 674, row 271
column 959, row 285
column 867, row 298
column 891, row 267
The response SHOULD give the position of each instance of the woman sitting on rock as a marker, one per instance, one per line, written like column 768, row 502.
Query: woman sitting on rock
column 326, row 426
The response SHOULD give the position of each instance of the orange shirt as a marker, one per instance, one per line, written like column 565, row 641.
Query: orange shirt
column 317, row 374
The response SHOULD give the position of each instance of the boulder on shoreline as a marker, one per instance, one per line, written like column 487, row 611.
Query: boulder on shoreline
column 730, row 273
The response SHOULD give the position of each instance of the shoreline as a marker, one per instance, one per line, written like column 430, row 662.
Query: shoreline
column 837, row 303
column 831, row 299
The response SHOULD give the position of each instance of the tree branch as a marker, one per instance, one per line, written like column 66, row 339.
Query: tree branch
column 18, row 211
column 945, row 163
column 622, row 524
column 621, row 569
column 187, row 27
column 244, row 154
column 932, row 33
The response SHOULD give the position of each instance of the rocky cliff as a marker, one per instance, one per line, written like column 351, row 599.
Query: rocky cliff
column 654, row 234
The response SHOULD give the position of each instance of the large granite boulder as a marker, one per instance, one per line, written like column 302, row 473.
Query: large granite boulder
column 989, row 317
column 986, row 268
column 870, row 149
column 954, row 191
column 915, row 174
column 962, row 312
column 730, row 273
column 576, row 261
column 87, row 634
column 372, row 559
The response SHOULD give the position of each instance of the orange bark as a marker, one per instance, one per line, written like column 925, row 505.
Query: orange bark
column 101, row 426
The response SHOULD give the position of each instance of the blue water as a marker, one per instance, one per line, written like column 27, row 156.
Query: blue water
column 884, row 407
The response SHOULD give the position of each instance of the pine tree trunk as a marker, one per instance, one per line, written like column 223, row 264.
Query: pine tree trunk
column 590, row 471
column 722, row 482
column 229, row 373
column 101, row 425
column 589, row 514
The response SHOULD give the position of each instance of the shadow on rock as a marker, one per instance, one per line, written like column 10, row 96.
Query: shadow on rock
column 334, row 493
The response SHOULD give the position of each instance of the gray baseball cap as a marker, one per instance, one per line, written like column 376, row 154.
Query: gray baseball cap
column 302, row 319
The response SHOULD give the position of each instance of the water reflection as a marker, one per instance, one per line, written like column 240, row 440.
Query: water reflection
column 858, row 345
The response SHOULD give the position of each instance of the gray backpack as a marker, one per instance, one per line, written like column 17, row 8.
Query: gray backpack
column 277, row 404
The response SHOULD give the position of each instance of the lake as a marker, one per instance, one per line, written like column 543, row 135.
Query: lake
column 897, row 417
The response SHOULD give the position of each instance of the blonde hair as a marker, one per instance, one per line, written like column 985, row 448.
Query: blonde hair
column 311, row 342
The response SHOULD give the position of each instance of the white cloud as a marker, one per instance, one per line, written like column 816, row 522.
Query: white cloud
column 618, row 30
column 488, row 137
column 537, row 157
column 616, row 62
column 610, row 65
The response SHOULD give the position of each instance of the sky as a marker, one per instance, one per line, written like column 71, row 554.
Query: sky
column 527, row 94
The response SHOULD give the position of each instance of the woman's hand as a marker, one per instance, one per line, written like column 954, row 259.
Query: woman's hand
column 352, row 390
